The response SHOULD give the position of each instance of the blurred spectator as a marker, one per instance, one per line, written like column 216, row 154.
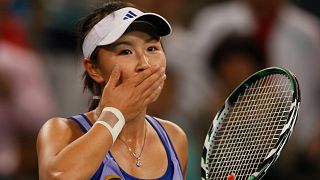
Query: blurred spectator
column 308, row 164
column 11, row 27
column 312, row 6
column 25, row 98
column 60, row 23
column 233, row 60
column 290, row 38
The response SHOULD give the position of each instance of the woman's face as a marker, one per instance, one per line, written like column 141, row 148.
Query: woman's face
column 134, row 52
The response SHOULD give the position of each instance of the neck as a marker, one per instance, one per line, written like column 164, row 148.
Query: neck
column 134, row 129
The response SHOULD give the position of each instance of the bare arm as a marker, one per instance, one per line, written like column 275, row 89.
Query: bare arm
column 62, row 157
column 64, row 153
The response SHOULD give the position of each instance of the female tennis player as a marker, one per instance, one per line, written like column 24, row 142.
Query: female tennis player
column 124, row 65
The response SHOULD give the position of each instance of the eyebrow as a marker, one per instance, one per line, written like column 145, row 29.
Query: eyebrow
column 114, row 45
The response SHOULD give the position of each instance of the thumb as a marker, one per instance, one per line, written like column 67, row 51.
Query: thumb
column 114, row 77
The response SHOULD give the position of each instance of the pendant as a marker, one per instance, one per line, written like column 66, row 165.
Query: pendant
column 139, row 163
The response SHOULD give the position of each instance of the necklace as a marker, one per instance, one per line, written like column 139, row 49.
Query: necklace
column 138, row 157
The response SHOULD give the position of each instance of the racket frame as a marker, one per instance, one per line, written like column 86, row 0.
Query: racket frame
column 230, row 101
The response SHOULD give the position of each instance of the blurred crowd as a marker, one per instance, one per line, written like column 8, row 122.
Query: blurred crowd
column 214, row 46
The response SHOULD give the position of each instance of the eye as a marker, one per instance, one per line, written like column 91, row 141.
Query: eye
column 125, row 52
column 152, row 48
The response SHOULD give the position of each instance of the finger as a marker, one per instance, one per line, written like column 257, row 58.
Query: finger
column 114, row 77
column 140, row 77
column 149, row 99
column 145, row 92
column 151, row 81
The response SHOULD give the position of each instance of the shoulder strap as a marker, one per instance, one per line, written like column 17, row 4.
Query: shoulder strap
column 82, row 121
column 167, row 142
column 113, row 168
column 85, row 125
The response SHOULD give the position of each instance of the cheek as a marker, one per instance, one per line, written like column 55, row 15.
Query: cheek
column 126, row 72
column 159, row 59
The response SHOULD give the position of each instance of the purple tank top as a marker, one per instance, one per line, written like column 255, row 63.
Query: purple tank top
column 110, row 170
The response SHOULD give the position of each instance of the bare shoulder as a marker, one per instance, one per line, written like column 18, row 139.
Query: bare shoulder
column 56, row 122
column 173, row 130
column 56, row 133
column 59, row 125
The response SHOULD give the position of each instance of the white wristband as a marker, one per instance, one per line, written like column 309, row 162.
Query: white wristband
column 116, row 129
column 116, row 112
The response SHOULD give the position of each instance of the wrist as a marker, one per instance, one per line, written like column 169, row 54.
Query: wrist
column 112, row 119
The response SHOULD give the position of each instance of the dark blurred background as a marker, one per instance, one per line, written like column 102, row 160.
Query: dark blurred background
column 215, row 44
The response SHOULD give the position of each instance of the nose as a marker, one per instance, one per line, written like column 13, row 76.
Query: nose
column 143, row 63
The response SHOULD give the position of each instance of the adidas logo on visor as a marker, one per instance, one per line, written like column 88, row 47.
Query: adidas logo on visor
column 129, row 15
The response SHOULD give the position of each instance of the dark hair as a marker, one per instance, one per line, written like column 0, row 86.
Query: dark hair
column 236, row 44
column 86, row 25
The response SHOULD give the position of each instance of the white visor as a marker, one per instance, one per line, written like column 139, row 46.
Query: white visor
column 111, row 27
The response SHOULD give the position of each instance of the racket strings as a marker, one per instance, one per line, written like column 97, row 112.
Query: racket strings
column 231, row 133
column 279, row 106
column 264, row 107
column 250, row 142
column 251, row 128
column 263, row 131
column 244, row 109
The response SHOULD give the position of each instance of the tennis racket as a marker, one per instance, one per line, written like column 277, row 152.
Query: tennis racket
column 250, row 130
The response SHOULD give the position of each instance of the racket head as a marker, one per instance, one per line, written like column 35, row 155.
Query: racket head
column 220, row 159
